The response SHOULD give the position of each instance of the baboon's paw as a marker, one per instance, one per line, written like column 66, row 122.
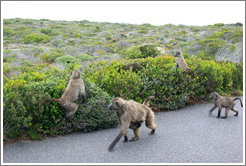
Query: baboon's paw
column 152, row 132
column 224, row 117
column 134, row 139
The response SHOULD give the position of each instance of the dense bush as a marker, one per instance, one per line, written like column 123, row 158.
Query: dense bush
column 23, row 116
column 36, row 38
column 50, row 57
column 67, row 59
column 172, row 87
column 142, row 51
column 84, row 57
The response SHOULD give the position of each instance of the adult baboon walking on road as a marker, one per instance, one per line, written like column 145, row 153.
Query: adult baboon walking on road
column 75, row 88
column 226, row 102
column 131, row 115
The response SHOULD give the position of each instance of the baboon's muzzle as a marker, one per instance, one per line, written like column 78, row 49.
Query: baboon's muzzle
column 110, row 106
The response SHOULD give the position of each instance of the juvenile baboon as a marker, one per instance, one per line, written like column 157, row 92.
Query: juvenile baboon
column 135, row 67
column 131, row 115
column 226, row 102
column 75, row 88
column 180, row 62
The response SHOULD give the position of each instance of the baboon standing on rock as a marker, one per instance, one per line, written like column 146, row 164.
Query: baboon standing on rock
column 226, row 102
column 180, row 62
column 131, row 115
column 75, row 88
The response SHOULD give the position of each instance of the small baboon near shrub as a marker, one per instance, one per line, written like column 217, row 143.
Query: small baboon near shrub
column 223, row 102
column 131, row 115
column 180, row 62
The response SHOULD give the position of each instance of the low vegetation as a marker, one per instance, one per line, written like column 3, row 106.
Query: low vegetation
column 116, row 60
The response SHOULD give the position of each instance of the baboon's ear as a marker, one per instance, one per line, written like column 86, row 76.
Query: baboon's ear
column 216, row 94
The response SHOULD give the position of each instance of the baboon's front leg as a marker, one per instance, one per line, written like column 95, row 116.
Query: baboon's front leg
column 111, row 146
column 210, row 112
column 125, row 139
column 152, row 132
column 219, row 111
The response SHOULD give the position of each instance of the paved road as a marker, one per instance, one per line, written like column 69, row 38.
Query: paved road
column 187, row 135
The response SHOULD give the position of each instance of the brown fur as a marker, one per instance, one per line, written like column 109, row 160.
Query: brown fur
column 135, row 67
column 131, row 114
column 223, row 102
column 73, row 90
column 180, row 62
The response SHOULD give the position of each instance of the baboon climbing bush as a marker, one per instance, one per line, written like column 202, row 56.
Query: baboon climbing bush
column 73, row 91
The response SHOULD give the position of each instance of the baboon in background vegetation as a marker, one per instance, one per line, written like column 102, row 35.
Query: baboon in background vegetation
column 180, row 62
column 135, row 67
column 131, row 115
column 226, row 102
column 75, row 88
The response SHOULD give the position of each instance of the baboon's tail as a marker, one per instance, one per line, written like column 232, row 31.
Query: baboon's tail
column 146, row 101
column 46, row 101
column 240, row 101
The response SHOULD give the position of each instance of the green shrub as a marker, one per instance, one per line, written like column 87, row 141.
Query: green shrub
column 114, row 80
column 36, row 38
column 50, row 57
column 46, row 31
column 6, row 69
column 67, row 59
column 141, row 52
column 22, row 113
column 84, row 57
column 172, row 87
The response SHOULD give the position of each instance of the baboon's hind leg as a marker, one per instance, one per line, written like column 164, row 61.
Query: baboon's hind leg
column 71, row 109
column 136, row 133
column 150, row 123
column 234, row 110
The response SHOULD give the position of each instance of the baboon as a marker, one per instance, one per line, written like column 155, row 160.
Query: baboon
column 75, row 88
column 115, row 40
column 180, row 62
column 131, row 115
column 226, row 102
column 135, row 67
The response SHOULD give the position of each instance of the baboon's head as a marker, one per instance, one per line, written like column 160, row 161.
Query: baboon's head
column 76, row 74
column 178, row 54
column 116, row 104
column 214, row 95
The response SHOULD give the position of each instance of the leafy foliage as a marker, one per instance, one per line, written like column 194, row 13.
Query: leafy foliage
column 22, row 113
column 67, row 59
column 141, row 52
column 36, row 38
column 159, row 76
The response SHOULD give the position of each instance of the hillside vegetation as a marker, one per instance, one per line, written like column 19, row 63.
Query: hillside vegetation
column 116, row 60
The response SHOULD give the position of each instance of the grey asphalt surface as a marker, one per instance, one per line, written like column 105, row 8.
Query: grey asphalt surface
column 186, row 135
